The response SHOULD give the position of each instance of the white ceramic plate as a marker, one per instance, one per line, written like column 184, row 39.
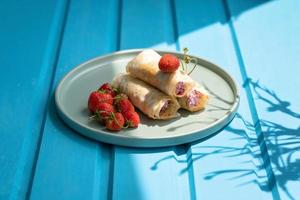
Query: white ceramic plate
column 73, row 91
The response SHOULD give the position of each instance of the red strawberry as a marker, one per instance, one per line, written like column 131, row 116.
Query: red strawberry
column 97, row 97
column 124, row 105
column 168, row 63
column 107, row 88
column 132, row 119
column 93, row 101
column 103, row 110
column 115, row 122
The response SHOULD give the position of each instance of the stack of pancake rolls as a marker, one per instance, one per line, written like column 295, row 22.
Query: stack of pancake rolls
column 158, row 94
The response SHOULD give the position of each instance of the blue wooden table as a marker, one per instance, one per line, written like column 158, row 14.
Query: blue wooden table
column 256, row 157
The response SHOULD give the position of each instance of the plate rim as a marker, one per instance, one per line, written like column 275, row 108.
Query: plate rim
column 224, row 120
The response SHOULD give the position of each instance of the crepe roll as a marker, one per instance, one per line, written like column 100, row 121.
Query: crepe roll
column 152, row 102
column 145, row 67
column 195, row 100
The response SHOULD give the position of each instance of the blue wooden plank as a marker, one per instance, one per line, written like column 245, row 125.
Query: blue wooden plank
column 30, row 33
column 140, row 33
column 268, row 38
column 149, row 173
column 229, row 165
column 70, row 166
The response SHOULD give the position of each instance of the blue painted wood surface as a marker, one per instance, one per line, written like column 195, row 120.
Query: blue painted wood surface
column 88, row 33
column 255, row 157
column 30, row 37
column 268, row 40
column 232, row 154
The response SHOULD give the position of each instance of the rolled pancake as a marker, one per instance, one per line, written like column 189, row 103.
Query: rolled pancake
column 195, row 100
column 145, row 67
column 148, row 99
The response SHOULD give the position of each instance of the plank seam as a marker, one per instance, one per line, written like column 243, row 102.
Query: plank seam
column 56, row 58
column 190, row 167
column 111, row 155
column 119, row 24
column 255, row 118
column 111, row 148
column 187, row 147
column 175, row 25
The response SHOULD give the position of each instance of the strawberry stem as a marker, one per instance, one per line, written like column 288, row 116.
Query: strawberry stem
column 101, row 91
column 127, row 125
column 97, row 115
column 115, row 119
column 92, row 117
column 116, row 90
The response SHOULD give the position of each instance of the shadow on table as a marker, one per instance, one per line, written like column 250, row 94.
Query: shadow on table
column 281, row 142
column 186, row 17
